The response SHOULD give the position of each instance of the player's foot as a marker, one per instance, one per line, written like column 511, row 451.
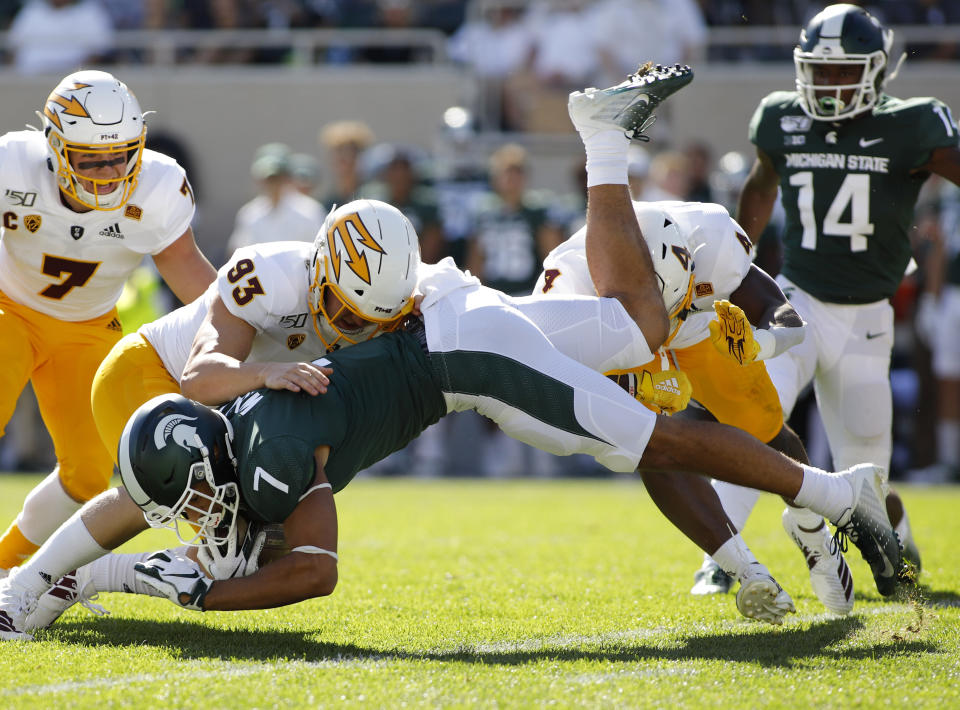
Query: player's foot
column 627, row 106
column 761, row 598
column 911, row 553
column 829, row 574
column 710, row 579
column 70, row 589
column 15, row 604
column 866, row 525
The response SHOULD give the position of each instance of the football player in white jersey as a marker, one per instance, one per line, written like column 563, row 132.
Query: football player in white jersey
column 714, row 349
column 84, row 202
column 486, row 350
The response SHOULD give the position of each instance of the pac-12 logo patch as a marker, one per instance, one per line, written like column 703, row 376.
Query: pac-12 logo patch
column 76, row 231
column 32, row 222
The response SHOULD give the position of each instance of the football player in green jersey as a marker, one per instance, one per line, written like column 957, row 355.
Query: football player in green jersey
column 279, row 456
column 849, row 161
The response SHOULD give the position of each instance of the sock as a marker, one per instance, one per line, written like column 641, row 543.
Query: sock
column 115, row 573
column 734, row 556
column 606, row 158
column 68, row 548
column 45, row 507
column 737, row 501
column 806, row 519
column 828, row 494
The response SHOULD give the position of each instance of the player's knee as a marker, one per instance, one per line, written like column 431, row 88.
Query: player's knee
column 867, row 410
column 85, row 482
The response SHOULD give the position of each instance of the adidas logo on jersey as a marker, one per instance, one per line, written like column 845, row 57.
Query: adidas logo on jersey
column 112, row 230
column 115, row 325
column 671, row 386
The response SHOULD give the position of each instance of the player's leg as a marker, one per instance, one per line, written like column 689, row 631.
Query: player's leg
column 31, row 341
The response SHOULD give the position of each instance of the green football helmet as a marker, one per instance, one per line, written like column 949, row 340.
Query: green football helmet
column 177, row 464
column 842, row 35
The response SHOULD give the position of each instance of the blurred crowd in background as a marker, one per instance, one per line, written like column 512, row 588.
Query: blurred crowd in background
column 489, row 216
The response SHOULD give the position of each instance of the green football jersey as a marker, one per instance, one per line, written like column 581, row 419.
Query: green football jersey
column 382, row 394
column 848, row 191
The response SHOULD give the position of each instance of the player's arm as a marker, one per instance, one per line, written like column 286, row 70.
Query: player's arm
column 310, row 570
column 944, row 162
column 757, row 322
column 619, row 261
column 216, row 370
column 758, row 196
column 184, row 267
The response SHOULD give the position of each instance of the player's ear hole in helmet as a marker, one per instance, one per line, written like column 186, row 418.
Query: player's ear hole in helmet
column 95, row 137
column 177, row 464
column 363, row 272
column 841, row 62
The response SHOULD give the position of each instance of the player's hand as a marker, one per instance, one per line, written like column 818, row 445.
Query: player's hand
column 296, row 377
column 178, row 579
column 732, row 334
column 669, row 390
column 235, row 560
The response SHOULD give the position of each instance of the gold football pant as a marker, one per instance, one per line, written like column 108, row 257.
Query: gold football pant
column 739, row 395
column 60, row 358
column 129, row 376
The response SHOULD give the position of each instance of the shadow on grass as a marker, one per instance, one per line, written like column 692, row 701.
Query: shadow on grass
column 197, row 641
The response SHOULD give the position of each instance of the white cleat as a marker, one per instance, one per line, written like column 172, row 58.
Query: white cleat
column 15, row 604
column 760, row 597
column 74, row 587
column 867, row 526
column 628, row 106
column 830, row 576
column 710, row 579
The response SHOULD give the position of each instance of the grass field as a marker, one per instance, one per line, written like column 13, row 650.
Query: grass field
column 512, row 594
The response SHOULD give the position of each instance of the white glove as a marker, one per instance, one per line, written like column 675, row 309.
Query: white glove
column 225, row 561
column 178, row 579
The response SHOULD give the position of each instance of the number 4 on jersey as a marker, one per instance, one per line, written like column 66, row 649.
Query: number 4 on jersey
column 854, row 192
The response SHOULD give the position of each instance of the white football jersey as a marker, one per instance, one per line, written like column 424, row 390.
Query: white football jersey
column 72, row 265
column 722, row 255
column 267, row 286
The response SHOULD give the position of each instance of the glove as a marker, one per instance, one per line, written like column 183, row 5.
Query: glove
column 732, row 334
column 178, row 579
column 225, row 561
column 669, row 390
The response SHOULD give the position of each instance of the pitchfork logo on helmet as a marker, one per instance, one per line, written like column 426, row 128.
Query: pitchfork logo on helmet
column 364, row 270
column 672, row 262
column 92, row 114
column 842, row 35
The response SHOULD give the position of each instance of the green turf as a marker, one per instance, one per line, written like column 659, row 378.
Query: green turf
column 512, row 594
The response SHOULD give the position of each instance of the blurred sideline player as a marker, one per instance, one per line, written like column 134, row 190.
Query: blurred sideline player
column 84, row 203
column 723, row 357
column 849, row 161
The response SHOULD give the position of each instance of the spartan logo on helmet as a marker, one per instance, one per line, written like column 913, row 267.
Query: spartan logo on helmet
column 173, row 428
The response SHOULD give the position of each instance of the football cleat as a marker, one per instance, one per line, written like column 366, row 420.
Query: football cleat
column 15, row 604
column 710, row 579
column 760, row 597
column 628, row 106
column 72, row 588
column 867, row 526
column 829, row 574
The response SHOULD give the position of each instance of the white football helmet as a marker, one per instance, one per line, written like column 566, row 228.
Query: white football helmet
column 366, row 256
column 672, row 261
column 93, row 112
